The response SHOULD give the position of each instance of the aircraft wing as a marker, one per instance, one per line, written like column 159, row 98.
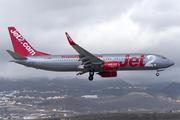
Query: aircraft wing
column 86, row 57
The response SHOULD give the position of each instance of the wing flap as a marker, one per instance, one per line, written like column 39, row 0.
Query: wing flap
column 85, row 53
column 86, row 57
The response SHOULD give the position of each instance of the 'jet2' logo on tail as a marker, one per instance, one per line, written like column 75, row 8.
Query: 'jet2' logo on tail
column 21, row 39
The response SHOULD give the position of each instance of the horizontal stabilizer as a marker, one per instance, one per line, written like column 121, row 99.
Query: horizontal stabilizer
column 16, row 56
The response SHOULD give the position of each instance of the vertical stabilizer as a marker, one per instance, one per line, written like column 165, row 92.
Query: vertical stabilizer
column 21, row 46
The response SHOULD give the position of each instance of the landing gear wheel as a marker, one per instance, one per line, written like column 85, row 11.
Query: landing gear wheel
column 157, row 74
column 90, row 77
column 91, row 72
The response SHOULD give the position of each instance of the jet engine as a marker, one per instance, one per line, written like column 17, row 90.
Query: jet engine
column 111, row 65
column 108, row 74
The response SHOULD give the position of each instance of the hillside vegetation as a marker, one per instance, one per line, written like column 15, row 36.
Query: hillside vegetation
column 125, row 116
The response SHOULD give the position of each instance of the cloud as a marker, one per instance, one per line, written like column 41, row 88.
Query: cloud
column 143, row 26
column 157, row 15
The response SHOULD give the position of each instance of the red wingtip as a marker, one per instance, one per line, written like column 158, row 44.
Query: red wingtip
column 71, row 42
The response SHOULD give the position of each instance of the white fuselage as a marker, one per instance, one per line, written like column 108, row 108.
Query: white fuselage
column 73, row 62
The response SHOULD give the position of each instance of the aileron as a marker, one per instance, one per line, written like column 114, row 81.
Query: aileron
column 84, row 54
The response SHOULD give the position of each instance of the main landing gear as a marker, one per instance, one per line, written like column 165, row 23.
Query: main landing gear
column 91, row 74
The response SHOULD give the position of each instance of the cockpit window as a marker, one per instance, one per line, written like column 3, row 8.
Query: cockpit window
column 163, row 57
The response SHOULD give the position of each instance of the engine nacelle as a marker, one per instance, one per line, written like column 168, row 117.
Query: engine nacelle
column 111, row 65
column 108, row 74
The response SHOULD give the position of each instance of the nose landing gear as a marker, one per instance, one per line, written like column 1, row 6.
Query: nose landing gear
column 157, row 74
column 158, row 70
column 91, row 74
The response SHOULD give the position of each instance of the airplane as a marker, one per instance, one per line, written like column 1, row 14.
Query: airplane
column 105, row 65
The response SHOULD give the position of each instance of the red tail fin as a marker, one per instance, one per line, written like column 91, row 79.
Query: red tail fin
column 21, row 46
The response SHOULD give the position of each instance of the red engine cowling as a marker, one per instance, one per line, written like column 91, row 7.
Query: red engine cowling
column 108, row 74
column 111, row 65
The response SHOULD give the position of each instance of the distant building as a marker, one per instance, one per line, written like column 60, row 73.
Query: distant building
column 175, row 111
column 29, row 117
column 89, row 96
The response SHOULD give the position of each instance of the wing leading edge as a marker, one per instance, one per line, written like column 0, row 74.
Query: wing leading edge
column 89, row 60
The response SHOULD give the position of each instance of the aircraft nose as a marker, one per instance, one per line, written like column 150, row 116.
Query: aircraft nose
column 171, row 63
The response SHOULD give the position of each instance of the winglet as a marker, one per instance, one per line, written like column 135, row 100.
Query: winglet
column 84, row 53
column 71, row 42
